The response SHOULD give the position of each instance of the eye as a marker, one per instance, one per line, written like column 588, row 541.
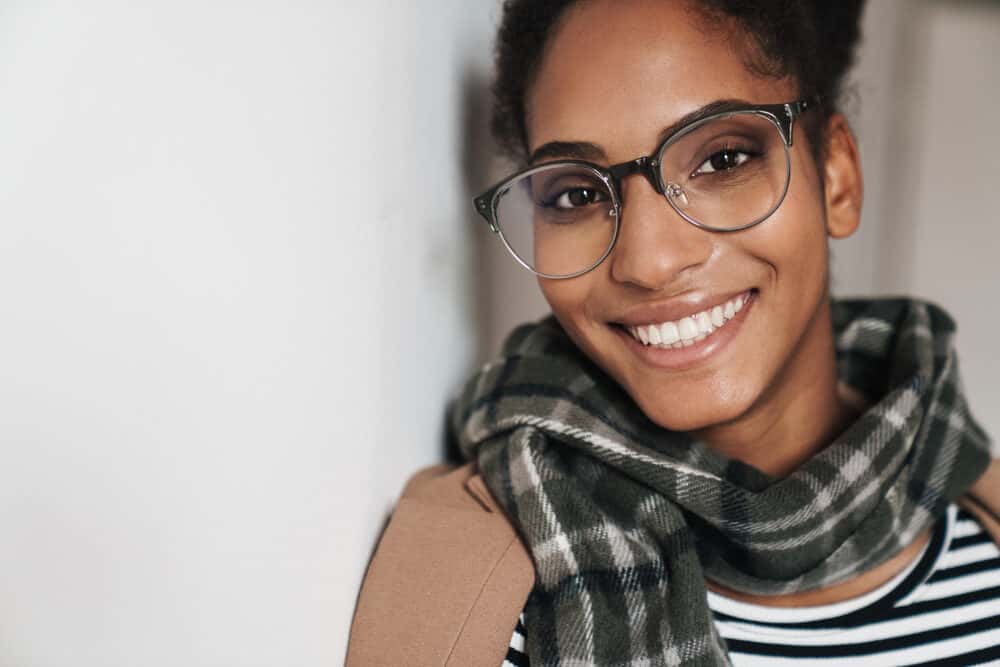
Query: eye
column 726, row 159
column 577, row 197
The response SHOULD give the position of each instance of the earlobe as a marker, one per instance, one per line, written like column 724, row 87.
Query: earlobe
column 843, row 184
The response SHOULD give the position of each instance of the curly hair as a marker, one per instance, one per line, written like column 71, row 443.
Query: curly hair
column 814, row 42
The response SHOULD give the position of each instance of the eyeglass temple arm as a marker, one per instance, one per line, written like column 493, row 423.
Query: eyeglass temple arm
column 795, row 109
column 482, row 203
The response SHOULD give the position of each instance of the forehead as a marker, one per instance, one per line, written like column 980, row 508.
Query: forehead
column 615, row 72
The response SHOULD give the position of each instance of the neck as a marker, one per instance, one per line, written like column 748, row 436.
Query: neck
column 798, row 416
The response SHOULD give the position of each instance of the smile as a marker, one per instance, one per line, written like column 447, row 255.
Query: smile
column 691, row 329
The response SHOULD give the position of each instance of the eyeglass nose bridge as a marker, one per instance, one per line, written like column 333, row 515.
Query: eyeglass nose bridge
column 646, row 165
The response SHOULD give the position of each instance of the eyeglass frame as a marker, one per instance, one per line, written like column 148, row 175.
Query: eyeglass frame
column 782, row 115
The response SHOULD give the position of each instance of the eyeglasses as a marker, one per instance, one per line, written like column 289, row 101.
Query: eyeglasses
column 723, row 173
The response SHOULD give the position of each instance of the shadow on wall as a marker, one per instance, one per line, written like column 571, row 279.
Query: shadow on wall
column 503, row 293
column 478, row 152
column 500, row 294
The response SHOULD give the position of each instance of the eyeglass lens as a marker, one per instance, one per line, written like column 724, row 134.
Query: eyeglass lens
column 723, row 174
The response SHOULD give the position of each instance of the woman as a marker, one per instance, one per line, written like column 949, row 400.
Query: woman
column 699, row 458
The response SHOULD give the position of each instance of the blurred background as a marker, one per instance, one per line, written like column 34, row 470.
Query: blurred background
column 240, row 276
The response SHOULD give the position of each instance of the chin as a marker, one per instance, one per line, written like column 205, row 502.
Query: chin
column 700, row 408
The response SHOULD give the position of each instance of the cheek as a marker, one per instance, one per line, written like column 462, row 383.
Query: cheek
column 573, row 304
column 793, row 242
column 569, row 299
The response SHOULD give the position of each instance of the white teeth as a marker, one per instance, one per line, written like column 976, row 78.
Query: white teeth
column 669, row 333
column 691, row 329
column 687, row 328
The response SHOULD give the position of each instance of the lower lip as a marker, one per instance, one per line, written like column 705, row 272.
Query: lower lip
column 692, row 355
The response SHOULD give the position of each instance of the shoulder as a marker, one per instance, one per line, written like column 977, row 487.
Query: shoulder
column 447, row 581
column 454, row 487
column 983, row 500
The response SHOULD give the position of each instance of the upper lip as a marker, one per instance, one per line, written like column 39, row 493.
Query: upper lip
column 673, row 309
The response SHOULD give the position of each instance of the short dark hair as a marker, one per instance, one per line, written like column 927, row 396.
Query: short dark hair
column 814, row 42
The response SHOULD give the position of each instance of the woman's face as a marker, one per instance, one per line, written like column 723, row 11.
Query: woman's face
column 614, row 74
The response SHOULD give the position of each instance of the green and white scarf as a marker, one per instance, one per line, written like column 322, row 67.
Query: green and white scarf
column 625, row 520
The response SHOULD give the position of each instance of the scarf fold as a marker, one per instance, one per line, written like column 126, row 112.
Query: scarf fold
column 625, row 520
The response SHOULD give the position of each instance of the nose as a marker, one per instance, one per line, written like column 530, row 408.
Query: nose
column 656, row 247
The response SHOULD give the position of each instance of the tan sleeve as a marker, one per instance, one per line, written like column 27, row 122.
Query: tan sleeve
column 447, row 581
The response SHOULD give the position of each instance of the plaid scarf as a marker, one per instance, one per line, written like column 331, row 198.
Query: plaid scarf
column 625, row 520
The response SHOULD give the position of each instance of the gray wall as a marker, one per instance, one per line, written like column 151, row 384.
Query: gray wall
column 928, row 93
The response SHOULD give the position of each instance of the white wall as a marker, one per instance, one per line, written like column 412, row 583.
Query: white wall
column 205, row 210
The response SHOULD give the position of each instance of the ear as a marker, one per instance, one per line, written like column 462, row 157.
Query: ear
column 843, row 184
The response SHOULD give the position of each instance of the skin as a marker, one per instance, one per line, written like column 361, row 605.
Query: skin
column 614, row 74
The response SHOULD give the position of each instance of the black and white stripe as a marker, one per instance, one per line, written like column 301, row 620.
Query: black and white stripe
column 516, row 656
column 944, row 609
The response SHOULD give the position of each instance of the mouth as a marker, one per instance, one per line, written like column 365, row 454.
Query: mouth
column 691, row 340
column 691, row 329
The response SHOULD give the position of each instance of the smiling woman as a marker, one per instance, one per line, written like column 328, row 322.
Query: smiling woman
column 700, row 458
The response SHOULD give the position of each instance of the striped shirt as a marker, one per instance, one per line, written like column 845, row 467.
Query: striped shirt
column 943, row 609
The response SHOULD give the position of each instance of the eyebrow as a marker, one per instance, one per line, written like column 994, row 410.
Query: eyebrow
column 585, row 150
